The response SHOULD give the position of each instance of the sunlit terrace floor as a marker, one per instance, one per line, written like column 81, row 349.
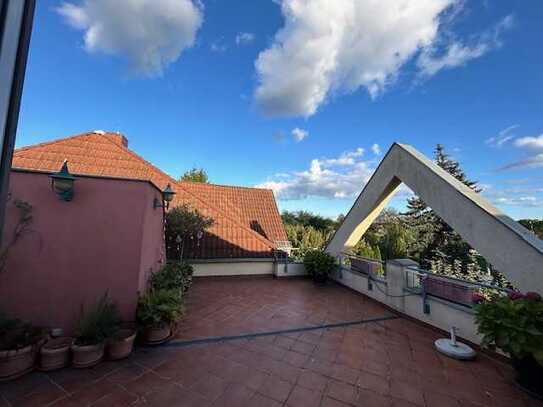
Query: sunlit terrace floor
column 375, row 361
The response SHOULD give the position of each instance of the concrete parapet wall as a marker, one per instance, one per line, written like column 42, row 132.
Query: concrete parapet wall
column 394, row 294
column 233, row 267
column 290, row 270
column 246, row 267
column 511, row 248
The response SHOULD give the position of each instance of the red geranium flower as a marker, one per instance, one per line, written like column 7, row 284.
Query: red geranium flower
column 532, row 296
column 515, row 295
column 477, row 298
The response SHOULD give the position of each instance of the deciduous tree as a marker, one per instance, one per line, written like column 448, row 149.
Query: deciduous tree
column 195, row 175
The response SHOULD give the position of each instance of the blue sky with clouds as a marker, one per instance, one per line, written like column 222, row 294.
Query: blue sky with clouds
column 303, row 97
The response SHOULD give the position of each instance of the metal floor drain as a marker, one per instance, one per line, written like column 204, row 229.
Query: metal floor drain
column 215, row 339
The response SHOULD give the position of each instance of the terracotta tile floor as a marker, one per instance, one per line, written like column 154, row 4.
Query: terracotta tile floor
column 233, row 306
column 386, row 363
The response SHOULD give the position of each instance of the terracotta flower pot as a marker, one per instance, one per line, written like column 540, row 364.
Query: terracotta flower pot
column 55, row 354
column 156, row 333
column 87, row 355
column 529, row 374
column 121, row 344
column 15, row 363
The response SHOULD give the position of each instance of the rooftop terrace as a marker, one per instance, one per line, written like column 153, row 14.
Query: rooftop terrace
column 371, row 357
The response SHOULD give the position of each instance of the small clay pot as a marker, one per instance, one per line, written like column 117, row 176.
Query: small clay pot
column 87, row 355
column 156, row 333
column 15, row 363
column 121, row 344
column 55, row 354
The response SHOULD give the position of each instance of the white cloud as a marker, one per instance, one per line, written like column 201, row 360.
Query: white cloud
column 532, row 143
column 534, row 161
column 332, row 47
column 524, row 201
column 534, row 148
column 376, row 149
column 218, row 47
column 299, row 134
column 345, row 159
column 431, row 60
column 243, row 38
column 341, row 177
column 503, row 136
column 151, row 34
column 523, row 197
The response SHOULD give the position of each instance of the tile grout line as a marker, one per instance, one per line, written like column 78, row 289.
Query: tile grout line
column 54, row 383
column 8, row 403
column 216, row 339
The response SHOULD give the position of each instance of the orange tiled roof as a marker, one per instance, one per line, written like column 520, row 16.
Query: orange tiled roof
column 253, row 207
column 247, row 221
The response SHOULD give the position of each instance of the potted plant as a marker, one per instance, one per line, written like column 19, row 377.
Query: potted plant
column 514, row 324
column 173, row 276
column 121, row 343
column 319, row 265
column 95, row 326
column 19, row 345
column 55, row 353
column 157, row 311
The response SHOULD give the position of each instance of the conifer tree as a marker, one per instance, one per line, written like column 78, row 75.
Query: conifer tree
column 416, row 206
column 432, row 233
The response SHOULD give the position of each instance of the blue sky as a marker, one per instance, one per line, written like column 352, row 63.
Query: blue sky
column 301, row 96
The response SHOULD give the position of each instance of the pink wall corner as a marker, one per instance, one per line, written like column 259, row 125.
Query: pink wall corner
column 152, row 243
column 76, row 251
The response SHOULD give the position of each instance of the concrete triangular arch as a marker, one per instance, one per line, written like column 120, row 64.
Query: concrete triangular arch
column 510, row 247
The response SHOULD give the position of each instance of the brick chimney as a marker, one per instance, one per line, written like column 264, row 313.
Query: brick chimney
column 116, row 137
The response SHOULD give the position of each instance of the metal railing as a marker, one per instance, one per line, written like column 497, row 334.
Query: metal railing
column 284, row 245
column 374, row 269
column 452, row 289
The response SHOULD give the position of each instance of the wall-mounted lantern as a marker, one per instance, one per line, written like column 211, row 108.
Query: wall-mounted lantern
column 62, row 183
column 167, row 196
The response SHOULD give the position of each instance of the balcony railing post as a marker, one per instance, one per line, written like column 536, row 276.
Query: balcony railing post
column 396, row 280
column 424, row 293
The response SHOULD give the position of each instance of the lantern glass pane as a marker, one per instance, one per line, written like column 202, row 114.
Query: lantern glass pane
column 62, row 185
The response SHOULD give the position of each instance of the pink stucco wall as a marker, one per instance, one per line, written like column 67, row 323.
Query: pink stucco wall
column 108, row 237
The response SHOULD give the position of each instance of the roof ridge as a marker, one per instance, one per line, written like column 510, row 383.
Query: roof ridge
column 153, row 167
column 48, row 143
column 225, row 185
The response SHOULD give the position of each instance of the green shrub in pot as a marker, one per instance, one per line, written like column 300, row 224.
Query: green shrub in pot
column 173, row 276
column 157, row 311
column 319, row 265
column 96, row 324
column 514, row 324
column 15, row 334
column 19, row 345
